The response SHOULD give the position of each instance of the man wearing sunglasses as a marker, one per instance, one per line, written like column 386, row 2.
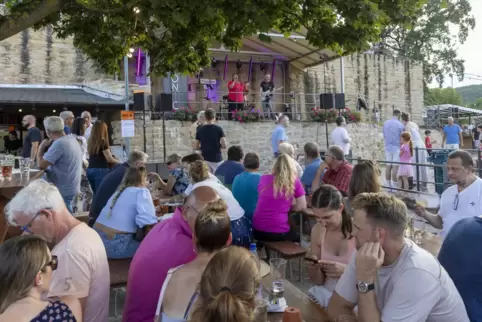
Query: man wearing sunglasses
column 463, row 199
column 82, row 267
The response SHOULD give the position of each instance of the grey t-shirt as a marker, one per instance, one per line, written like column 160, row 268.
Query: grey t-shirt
column 33, row 135
column 415, row 288
column 65, row 173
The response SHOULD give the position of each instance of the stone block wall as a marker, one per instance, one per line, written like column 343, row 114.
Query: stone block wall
column 253, row 137
column 37, row 57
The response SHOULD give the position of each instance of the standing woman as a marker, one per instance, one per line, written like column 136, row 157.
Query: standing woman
column 25, row 276
column 85, row 195
column 100, row 157
column 420, row 154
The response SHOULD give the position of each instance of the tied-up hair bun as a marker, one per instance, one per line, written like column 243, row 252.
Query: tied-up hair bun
column 214, row 211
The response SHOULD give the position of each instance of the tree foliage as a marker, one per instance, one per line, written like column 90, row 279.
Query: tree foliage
column 433, row 38
column 477, row 104
column 177, row 34
column 439, row 96
column 470, row 93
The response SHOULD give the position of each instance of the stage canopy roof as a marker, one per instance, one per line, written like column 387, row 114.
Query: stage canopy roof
column 294, row 49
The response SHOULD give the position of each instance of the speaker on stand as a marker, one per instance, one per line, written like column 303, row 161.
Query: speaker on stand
column 164, row 106
column 327, row 102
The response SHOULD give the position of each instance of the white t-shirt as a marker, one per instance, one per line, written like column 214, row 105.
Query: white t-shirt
column 234, row 209
column 469, row 204
column 190, row 188
column 83, row 271
column 416, row 288
column 339, row 137
column 87, row 131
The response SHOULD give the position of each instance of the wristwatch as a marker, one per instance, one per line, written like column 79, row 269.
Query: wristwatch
column 364, row 287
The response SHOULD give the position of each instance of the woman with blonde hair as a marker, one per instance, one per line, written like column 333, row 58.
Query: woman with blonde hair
column 240, row 224
column 130, row 208
column 228, row 287
column 212, row 232
column 25, row 275
column 288, row 149
column 100, row 156
column 279, row 192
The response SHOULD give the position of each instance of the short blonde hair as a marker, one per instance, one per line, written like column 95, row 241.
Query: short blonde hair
column 286, row 148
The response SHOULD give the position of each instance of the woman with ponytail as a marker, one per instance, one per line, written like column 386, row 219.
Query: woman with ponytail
column 212, row 232
column 240, row 224
column 130, row 208
column 228, row 287
column 405, row 170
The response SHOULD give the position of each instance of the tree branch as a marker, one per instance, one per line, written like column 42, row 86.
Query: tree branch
column 13, row 24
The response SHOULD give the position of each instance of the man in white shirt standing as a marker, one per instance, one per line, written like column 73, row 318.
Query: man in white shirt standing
column 88, row 123
column 340, row 137
column 390, row 278
column 463, row 199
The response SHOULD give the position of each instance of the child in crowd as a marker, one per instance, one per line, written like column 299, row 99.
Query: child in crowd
column 429, row 142
column 405, row 170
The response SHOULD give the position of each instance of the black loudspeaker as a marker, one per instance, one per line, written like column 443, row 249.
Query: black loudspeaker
column 340, row 101
column 326, row 101
column 139, row 101
column 164, row 103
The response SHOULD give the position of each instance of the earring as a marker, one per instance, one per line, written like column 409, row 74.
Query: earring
column 40, row 282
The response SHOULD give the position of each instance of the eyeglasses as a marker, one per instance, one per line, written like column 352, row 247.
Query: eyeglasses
column 53, row 263
column 26, row 228
column 456, row 202
column 169, row 163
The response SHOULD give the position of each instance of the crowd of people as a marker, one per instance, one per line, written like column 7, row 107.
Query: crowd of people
column 195, row 265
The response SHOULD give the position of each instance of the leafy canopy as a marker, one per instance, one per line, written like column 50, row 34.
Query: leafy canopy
column 439, row 96
column 432, row 38
column 177, row 34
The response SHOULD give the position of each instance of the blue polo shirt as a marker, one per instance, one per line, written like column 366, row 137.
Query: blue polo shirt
column 461, row 255
column 279, row 134
column 310, row 173
column 452, row 134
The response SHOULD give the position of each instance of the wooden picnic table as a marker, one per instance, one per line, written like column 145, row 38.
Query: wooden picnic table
column 8, row 189
column 310, row 311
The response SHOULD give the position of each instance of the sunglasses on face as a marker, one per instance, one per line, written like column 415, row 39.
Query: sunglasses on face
column 53, row 263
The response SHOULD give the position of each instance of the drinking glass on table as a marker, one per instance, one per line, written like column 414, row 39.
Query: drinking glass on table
column 278, row 271
column 7, row 167
column 24, row 164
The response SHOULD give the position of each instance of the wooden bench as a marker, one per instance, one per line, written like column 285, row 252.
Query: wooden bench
column 287, row 250
column 119, row 273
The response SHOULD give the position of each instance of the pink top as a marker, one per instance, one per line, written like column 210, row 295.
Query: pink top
column 330, row 283
column 271, row 213
column 168, row 245
column 405, row 156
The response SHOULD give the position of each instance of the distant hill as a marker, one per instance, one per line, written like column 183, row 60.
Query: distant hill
column 470, row 93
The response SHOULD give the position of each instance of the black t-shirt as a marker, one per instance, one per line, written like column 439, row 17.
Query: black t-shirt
column 209, row 135
column 33, row 135
column 106, row 189
column 476, row 134
column 267, row 86
column 98, row 160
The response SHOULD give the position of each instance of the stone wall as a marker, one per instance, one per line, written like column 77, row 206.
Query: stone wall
column 253, row 137
column 36, row 57
column 383, row 82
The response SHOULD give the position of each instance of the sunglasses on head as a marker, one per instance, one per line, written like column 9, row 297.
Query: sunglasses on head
column 53, row 263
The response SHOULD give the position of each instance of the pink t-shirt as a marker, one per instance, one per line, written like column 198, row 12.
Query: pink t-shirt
column 405, row 156
column 83, row 271
column 271, row 213
column 168, row 245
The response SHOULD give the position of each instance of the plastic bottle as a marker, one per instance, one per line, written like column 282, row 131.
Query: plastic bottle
column 253, row 249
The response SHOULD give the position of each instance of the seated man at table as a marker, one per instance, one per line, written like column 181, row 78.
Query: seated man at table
column 312, row 164
column 83, row 270
column 390, row 277
column 231, row 167
column 338, row 171
column 169, row 244
column 111, row 182
column 460, row 255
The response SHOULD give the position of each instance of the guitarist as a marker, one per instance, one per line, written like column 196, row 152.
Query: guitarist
column 266, row 94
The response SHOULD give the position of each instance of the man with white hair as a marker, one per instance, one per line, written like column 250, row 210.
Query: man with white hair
column 112, row 181
column 63, row 160
column 88, row 123
column 452, row 135
column 83, row 270
column 169, row 244
column 68, row 118
column 279, row 134
column 32, row 139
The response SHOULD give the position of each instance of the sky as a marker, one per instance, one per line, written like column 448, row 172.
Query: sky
column 471, row 50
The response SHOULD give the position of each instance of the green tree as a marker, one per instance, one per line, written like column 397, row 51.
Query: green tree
column 177, row 34
column 433, row 38
column 477, row 104
column 439, row 96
